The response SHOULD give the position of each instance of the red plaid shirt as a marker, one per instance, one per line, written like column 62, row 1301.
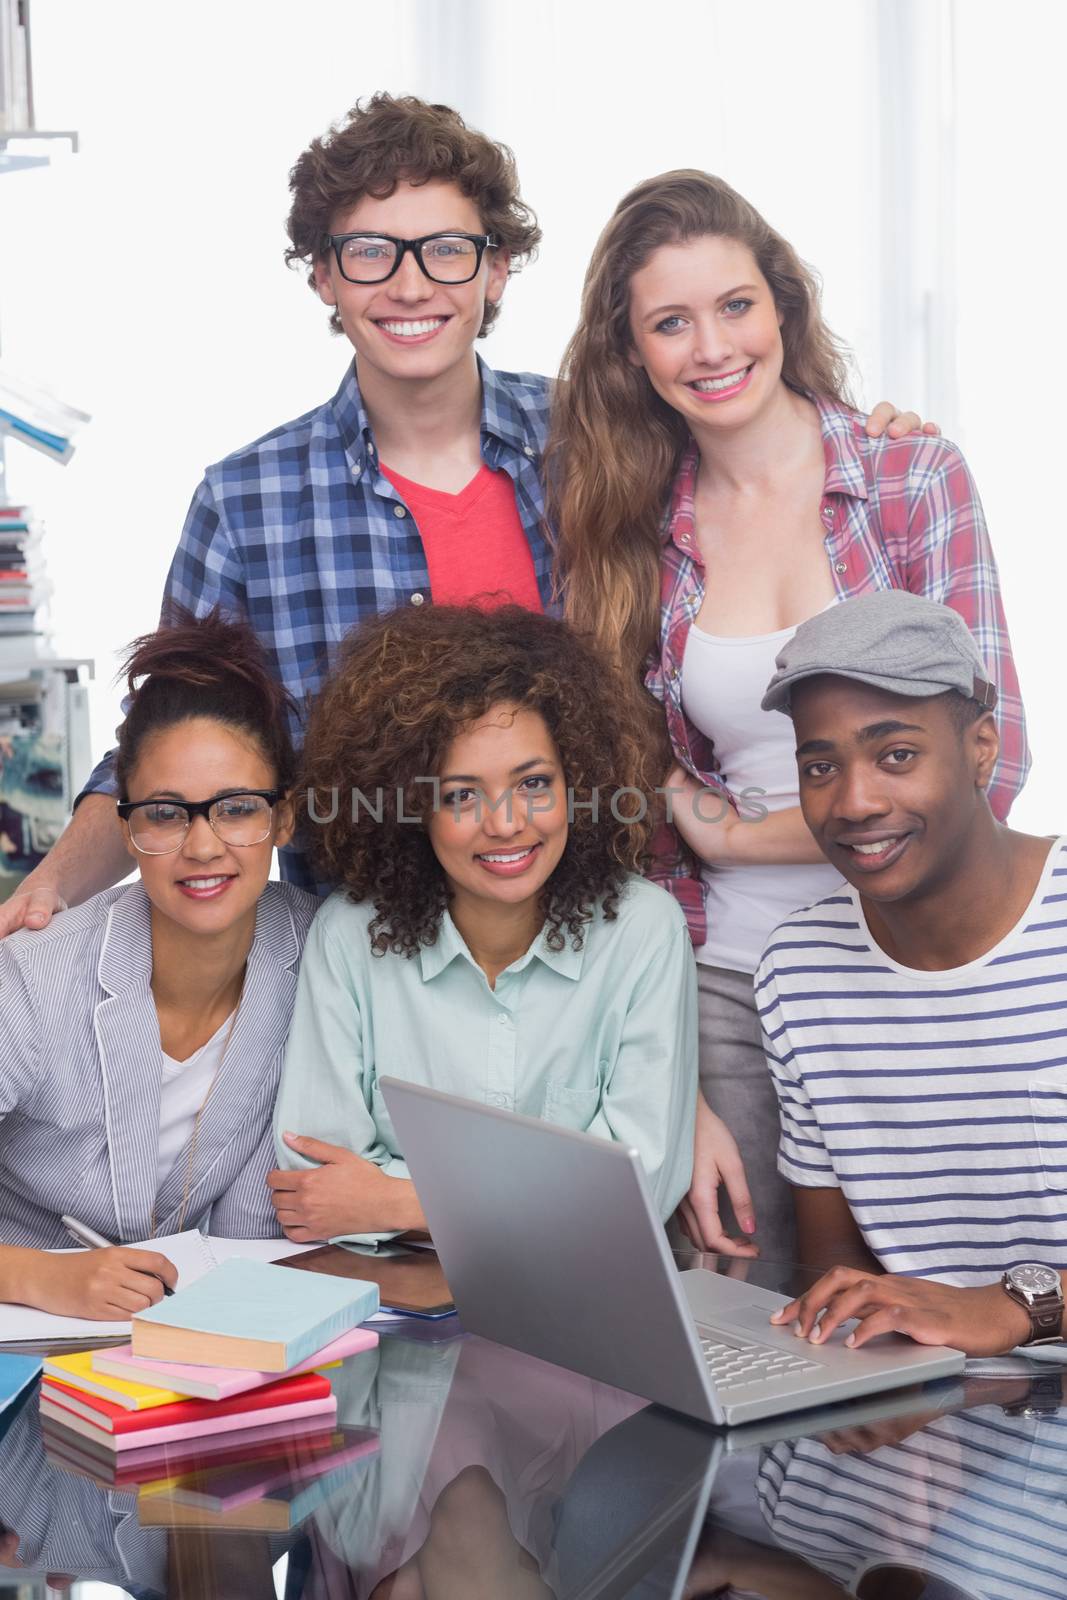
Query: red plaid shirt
column 899, row 514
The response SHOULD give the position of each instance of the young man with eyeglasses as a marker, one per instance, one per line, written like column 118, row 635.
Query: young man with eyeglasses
column 418, row 481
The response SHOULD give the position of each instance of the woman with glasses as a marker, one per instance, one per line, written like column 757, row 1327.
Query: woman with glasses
column 141, row 1034
column 469, row 783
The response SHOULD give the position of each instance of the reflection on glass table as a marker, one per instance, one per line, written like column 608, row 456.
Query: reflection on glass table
column 457, row 1467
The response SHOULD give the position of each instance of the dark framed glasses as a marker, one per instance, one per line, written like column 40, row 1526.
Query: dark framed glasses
column 159, row 827
column 442, row 257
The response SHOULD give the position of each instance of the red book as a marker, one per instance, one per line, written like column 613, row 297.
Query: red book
column 116, row 1419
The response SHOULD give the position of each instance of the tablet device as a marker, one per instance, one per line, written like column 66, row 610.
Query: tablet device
column 409, row 1281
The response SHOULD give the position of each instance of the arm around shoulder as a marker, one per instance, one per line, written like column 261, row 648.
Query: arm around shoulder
column 89, row 855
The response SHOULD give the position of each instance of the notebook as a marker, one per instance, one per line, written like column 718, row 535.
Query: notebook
column 114, row 1419
column 137, row 1430
column 245, row 1314
column 215, row 1383
column 189, row 1252
column 76, row 1371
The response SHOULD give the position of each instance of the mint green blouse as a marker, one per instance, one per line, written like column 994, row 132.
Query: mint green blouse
column 601, row 1039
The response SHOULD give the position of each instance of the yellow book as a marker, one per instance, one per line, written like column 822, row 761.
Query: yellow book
column 77, row 1370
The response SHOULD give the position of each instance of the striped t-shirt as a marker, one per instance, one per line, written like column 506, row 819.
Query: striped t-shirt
column 975, row 1500
column 936, row 1101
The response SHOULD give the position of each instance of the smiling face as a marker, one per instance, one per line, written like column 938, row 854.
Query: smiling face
column 206, row 886
column 706, row 330
column 409, row 327
column 502, row 824
column 890, row 786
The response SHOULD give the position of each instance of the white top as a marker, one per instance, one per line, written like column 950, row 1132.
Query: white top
column 935, row 1101
column 723, row 682
column 181, row 1094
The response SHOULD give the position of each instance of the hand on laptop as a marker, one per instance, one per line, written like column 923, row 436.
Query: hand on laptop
column 980, row 1322
column 716, row 1160
column 342, row 1194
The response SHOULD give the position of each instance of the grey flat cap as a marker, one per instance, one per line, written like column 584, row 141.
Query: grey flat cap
column 892, row 640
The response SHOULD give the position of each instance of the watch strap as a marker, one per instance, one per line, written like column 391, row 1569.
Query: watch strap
column 1044, row 1310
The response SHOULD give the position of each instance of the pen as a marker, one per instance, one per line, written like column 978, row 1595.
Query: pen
column 82, row 1234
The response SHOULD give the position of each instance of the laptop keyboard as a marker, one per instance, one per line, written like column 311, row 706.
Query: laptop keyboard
column 738, row 1364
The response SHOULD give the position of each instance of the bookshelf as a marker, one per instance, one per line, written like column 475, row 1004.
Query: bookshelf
column 45, row 751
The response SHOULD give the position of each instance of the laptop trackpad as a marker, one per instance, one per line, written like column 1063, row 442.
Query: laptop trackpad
column 754, row 1319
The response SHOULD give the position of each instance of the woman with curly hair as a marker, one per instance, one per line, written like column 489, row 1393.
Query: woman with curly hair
column 713, row 486
column 468, row 784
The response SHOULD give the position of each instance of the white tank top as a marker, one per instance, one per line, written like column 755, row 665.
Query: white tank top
column 723, row 682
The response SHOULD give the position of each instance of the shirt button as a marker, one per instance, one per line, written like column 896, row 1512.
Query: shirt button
column 504, row 1019
column 400, row 511
column 418, row 599
column 356, row 471
column 840, row 566
column 497, row 1099
column 529, row 451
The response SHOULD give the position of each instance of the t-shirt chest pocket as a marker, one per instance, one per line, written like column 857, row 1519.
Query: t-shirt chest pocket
column 1048, row 1110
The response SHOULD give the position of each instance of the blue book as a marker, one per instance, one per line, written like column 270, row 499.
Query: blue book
column 247, row 1314
column 16, row 1375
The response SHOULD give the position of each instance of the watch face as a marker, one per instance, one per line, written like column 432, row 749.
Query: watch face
column 1032, row 1279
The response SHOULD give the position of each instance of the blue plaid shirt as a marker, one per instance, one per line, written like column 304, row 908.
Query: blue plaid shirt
column 303, row 535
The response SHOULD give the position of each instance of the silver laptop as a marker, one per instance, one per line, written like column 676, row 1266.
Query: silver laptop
column 551, row 1245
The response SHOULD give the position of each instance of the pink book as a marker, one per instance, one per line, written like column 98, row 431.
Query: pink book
column 51, row 1407
column 219, row 1383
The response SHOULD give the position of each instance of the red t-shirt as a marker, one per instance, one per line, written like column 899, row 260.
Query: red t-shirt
column 476, row 548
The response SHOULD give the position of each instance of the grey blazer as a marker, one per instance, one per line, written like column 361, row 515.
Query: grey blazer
column 80, row 1070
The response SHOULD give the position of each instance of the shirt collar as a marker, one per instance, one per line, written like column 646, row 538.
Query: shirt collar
column 679, row 522
column 351, row 417
column 841, row 449
column 502, row 418
column 450, row 944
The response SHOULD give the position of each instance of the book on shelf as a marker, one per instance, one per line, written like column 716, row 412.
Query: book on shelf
column 245, row 1314
column 24, row 586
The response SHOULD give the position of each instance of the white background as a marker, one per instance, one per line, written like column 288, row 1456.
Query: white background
column 911, row 149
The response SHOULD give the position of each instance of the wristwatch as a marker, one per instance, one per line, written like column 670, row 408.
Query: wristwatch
column 1039, row 1290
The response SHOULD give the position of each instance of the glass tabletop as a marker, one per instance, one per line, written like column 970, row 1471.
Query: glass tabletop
column 458, row 1468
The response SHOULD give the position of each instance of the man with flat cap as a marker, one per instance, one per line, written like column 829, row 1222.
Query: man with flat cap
column 915, row 1023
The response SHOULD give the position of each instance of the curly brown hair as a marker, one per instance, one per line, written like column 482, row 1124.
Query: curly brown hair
column 392, row 138
column 405, row 686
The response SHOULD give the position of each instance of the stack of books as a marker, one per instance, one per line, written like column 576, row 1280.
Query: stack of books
column 24, row 587
column 232, row 1356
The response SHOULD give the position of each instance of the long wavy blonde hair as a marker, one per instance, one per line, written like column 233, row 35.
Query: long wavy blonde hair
column 614, row 444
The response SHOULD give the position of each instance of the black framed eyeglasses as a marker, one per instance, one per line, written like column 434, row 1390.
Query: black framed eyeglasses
column 442, row 257
column 158, row 827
